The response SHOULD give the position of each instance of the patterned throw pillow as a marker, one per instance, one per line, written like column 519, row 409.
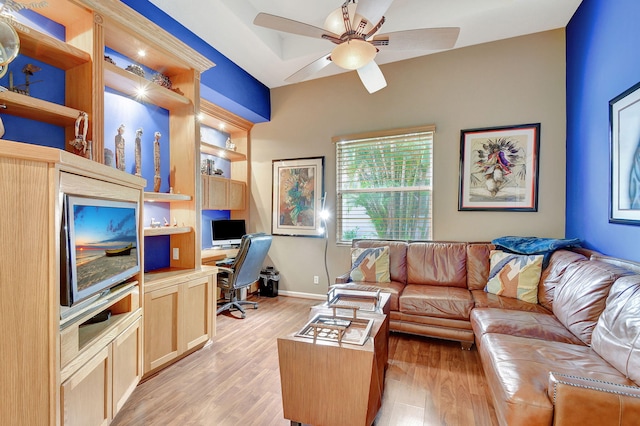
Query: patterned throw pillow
column 370, row 264
column 515, row 275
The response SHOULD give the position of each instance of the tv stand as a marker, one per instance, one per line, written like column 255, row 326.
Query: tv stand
column 85, row 372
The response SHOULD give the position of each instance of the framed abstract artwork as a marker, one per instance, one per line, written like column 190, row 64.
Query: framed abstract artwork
column 499, row 168
column 298, row 188
column 624, row 120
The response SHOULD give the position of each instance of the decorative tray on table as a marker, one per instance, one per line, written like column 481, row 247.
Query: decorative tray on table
column 365, row 300
column 339, row 329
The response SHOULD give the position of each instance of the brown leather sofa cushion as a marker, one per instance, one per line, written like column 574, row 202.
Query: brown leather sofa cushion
column 393, row 287
column 551, row 275
column 482, row 299
column 397, row 256
column 616, row 337
column 478, row 265
column 517, row 371
column 436, row 301
column 581, row 294
column 443, row 264
column 535, row 325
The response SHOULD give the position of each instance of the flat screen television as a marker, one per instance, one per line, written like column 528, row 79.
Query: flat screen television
column 99, row 246
column 227, row 232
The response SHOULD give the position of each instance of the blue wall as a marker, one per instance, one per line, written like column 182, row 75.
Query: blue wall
column 602, row 62
column 226, row 85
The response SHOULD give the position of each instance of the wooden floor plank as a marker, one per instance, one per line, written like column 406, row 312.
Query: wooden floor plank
column 236, row 381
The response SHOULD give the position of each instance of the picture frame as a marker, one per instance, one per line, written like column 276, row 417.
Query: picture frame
column 624, row 126
column 499, row 168
column 298, row 188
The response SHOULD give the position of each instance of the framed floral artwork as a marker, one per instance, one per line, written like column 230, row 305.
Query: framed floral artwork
column 624, row 120
column 298, row 188
column 499, row 168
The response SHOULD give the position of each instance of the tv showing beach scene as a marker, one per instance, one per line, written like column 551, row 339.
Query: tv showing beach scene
column 104, row 243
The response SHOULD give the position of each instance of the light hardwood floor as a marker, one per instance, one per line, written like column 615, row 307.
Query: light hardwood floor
column 235, row 380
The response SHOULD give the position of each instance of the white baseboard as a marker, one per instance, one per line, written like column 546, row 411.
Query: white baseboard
column 302, row 295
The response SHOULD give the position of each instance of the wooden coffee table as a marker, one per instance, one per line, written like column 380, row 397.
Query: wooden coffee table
column 330, row 383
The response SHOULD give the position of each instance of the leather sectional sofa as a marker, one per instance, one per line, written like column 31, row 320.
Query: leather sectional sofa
column 573, row 358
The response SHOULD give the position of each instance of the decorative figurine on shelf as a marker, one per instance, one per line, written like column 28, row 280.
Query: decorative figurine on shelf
column 162, row 80
column 135, row 69
column 175, row 222
column 108, row 157
column 80, row 143
column 120, row 164
column 155, row 223
column 138, row 152
column 230, row 145
column 166, row 222
column 28, row 70
column 109, row 59
column 156, row 161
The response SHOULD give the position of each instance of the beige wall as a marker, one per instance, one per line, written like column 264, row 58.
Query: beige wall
column 514, row 81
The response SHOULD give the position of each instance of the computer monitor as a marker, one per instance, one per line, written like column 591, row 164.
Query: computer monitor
column 227, row 232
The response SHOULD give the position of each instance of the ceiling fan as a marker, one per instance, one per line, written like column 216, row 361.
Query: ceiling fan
column 354, row 28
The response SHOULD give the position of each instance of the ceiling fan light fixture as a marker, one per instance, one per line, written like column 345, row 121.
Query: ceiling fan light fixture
column 353, row 54
column 335, row 20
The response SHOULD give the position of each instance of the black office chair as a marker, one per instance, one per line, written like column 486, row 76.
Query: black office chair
column 244, row 271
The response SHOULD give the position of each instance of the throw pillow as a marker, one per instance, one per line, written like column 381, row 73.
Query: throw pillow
column 370, row 264
column 514, row 275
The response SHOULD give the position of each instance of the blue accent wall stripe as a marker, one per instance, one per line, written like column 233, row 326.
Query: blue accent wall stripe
column 226, row 85
column 602, row 41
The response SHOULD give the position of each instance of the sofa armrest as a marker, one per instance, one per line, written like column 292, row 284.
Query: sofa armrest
column 343, row 279
column 582, row 401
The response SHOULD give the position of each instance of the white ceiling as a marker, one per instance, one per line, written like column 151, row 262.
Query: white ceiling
column 271, row 56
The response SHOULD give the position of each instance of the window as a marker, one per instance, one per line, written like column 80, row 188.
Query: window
column 384, row 185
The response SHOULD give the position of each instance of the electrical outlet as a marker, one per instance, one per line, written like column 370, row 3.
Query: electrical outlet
column 316, row 279
column 176, row 253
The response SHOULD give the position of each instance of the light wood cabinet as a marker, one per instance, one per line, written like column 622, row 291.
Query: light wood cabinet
column 58, row 371
column 86, row 397
column 67, row 373
column 237, row 190
column 220, row 193
column 230, row 192
column 161, row 325
column 96, row 392
column 126, row 364
column 179, row 316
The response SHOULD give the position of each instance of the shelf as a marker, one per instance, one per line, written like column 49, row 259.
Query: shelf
column 166, row 230
column 165, row 197
column 47, row 49
column 38, row 109
column 227, row 154
column 131, row 84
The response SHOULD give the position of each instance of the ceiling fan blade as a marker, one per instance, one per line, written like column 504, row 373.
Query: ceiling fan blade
column 308, row 70
column 373, row 10
column 372, row 77
column 290, row 26
column 420, row 39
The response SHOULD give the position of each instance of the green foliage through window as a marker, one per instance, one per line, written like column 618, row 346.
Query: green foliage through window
column 384, row 186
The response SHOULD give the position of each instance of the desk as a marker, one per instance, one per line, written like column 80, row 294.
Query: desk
column 211, row 256
column 327, row 383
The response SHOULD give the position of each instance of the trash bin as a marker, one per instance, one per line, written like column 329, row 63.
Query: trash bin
column 269, row 278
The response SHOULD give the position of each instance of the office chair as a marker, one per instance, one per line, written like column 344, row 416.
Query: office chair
column 244, row 271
